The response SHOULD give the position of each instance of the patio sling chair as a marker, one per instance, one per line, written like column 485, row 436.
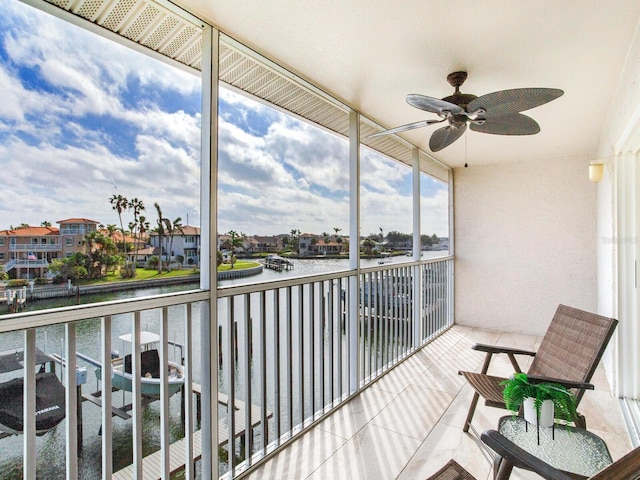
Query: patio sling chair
column 568, row 354
column 626, row 468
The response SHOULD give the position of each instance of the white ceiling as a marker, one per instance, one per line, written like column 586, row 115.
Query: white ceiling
column 372, row 53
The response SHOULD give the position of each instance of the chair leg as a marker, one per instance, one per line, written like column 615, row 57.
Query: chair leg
column 504, row 470
column 581, row 421
column 472, row 410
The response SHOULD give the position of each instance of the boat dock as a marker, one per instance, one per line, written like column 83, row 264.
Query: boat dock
column 14, row 299
column 152, row 464
column 277, row 263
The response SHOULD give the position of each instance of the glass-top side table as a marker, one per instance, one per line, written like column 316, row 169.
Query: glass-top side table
column 573, row 450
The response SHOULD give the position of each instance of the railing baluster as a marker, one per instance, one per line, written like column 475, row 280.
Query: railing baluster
column 276, row 374
column 338, row 325
column 330, row 343
column 29, row 406
column 164, row 393
column 231, row 380
column 107, row 398
column 289, row 364
column 248, row 403
column 188, row 394
column 301, row 352
column 264, row 428
column 136, row 396
column 71, row 402
column 312, row 351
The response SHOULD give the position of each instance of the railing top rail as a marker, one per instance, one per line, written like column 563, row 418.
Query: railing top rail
column 54, row 316
column 231, row 290
column 35, row 247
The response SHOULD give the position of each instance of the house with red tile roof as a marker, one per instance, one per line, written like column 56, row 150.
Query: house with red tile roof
column 26, row 251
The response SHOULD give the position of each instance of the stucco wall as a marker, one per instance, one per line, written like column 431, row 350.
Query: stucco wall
column 525, row 242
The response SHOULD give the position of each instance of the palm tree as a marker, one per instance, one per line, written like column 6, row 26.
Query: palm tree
column 171, row 228
column 237, row 240
column 111, row 230
column 143, row 228
column 119, row 203
column 137, row 206
column 294, row 242
column 45, row 223
column 160, row 230
column 337, row 230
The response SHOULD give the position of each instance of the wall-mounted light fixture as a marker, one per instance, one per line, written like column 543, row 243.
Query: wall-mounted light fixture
column 595, row 172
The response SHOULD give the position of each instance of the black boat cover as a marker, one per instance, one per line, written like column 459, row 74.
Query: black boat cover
column 49, row 403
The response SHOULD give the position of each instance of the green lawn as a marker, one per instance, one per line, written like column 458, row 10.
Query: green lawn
column 142, row 274
column 152, row 274
column 239, row 265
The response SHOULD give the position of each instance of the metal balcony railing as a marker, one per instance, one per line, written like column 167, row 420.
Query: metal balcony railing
column 28, row 247
column 288, row 353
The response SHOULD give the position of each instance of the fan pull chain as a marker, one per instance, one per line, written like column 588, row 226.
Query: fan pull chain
column 466, row 165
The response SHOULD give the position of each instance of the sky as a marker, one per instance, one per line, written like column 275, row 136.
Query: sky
column 106, row 120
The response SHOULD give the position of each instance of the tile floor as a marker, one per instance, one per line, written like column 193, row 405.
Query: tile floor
column 408, row 424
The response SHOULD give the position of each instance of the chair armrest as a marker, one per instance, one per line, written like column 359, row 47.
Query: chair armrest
column 519, row 457
column 497, row 349
column 561, row 381
column 510, row 352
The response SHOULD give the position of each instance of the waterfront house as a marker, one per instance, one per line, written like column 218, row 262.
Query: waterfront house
column 134, row 242
column 306, row 242
column 141, row 256
column 72, row 234
column 527, row 228
column 262, row 244
column 185, row 246
column 326, row 247
column 25, row 252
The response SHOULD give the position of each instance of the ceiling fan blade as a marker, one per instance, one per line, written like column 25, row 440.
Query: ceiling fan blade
column 404, row 128
column 508, row 102
column 445, row 136
column 433, row 105
column 516, row 124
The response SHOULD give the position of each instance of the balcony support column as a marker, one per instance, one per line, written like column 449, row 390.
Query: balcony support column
column 354, row 251
column 416, row 334
column 208, row 276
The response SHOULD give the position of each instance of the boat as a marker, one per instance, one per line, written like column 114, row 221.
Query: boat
column 50, row 393
column 386, row 258
column 121, row 377
column 278, row 263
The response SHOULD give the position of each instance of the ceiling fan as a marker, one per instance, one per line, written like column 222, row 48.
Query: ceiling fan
column 497, row 113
